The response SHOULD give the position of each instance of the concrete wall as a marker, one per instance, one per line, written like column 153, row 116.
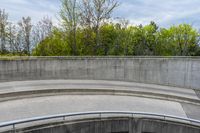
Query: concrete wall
column 172, row 71
column 127, row 125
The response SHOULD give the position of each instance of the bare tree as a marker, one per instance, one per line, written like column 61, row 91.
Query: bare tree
column 15, row 39
column 42, row 30
column 86, row 13
column 3, row 28
column 19, row 44
column 70, row 18
column 25, row 27
column 12, row 33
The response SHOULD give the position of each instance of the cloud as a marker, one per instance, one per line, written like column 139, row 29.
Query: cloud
column 36, row 9
column 163, row 12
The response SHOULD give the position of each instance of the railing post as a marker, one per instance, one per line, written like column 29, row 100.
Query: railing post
column 100, row 115
column 63, row 118
column 14, row 130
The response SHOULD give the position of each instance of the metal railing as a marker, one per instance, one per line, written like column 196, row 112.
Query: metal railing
column 100, row 115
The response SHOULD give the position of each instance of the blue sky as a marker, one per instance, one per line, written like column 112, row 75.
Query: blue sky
column 163, row 12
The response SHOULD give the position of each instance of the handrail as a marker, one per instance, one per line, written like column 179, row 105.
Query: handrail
column 100, row 113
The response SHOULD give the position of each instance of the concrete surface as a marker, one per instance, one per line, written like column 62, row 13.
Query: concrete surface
column 172, row 71
column 73, row 101
column 51, row 105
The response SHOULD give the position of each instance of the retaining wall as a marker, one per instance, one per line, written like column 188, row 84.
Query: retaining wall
column 170, row 71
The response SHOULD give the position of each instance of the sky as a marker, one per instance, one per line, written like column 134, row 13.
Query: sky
column 164, row 12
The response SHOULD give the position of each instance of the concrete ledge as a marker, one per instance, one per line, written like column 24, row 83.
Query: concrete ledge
column 29, row 89
column 93, row 57
column 52, row 92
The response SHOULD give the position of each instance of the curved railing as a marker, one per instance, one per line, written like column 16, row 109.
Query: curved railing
column 100, row 115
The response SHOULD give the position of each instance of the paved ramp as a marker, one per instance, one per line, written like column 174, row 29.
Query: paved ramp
column 102, row 96
column 42, row 106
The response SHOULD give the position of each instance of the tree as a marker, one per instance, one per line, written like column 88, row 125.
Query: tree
column 146, row 39
column 42, row 30
column 96, row 12
column 87, row 31
column 181, row 40
column 12, row 33
column 186, row 38
column 107, row 36
column 25, row 27
column 3, row 30
column 86, row 14
column 53, row 45
column 86, row 41
column 152, row 38
column 70, row 18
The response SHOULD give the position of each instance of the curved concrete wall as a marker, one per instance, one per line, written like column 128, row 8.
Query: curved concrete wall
column 123, row 125
column 171, row 71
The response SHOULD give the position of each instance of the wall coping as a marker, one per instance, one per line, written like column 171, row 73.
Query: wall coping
column 96, row 57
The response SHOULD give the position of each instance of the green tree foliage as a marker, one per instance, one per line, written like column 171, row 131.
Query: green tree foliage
column 117, row 39
column 181, row 40
column 86, row 41
column 54, row 45
column 107, row 35
column 146, row 39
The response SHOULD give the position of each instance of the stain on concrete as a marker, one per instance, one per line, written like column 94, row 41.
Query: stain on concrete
column 192, row 111
column 198, row 93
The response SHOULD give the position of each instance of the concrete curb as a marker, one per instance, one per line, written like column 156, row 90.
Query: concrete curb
column 53, row 92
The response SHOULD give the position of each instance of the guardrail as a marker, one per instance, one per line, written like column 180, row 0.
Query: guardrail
column 100, row 115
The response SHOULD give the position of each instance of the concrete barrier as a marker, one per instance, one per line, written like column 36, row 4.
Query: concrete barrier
column 170, row 71
column 114, row 125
